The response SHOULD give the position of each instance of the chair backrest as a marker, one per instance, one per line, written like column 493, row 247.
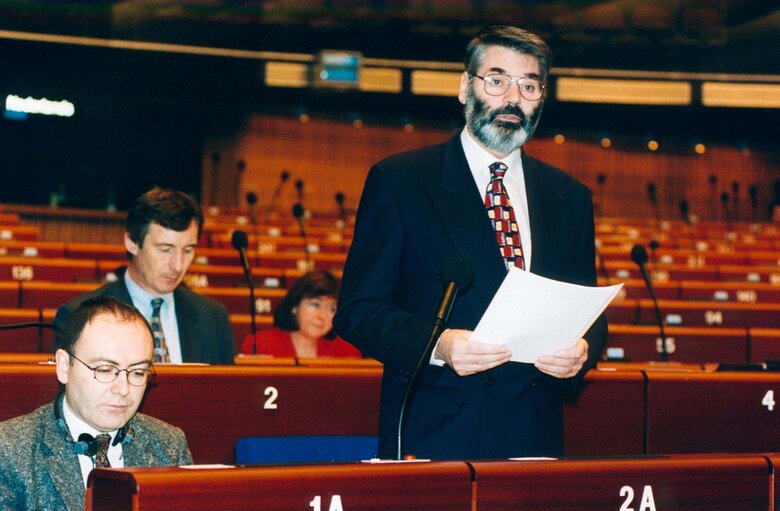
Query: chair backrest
column 291, row 449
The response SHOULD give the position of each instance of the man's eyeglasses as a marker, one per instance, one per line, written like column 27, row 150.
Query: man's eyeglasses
column 106, row 373
column 497, row 84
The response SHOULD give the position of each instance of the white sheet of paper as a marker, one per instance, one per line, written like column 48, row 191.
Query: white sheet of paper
column 536, row 316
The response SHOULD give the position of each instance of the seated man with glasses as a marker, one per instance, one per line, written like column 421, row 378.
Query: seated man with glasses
column 104, row 365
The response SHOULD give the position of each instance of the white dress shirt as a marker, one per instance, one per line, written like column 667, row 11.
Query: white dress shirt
column 142, row 300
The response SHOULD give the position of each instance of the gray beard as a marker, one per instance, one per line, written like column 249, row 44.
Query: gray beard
column 499, row 136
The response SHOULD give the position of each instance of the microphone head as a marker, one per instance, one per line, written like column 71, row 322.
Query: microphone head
column 297, row 210
column 684, row 208
column 735, row 187
column 299, row 184
column 724, row 197
column 713, row 179
column 601, row 178
column 651, row 192
column 285, row 175
column 251, row 198
column 340, row 198
column 654, row 244
column 639, row 254
column 753, row 191
column 458, row 269
column 240, row 165
column 239, row 240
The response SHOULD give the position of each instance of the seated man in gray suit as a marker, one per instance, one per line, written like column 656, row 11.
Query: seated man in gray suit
column 47, row 455
column 161, row 232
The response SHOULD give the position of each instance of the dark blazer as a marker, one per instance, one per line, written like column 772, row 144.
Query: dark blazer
column 204, row 326
column 418, row 209
column 39, row 467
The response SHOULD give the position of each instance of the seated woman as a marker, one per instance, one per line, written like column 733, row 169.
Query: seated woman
column 304, row 322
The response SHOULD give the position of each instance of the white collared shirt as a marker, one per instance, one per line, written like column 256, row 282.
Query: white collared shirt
column 479, row 161
column 76, row 426
column 142, row 300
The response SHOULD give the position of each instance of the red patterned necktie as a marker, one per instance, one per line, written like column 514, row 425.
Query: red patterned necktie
column 101, row 457
column 499, row 209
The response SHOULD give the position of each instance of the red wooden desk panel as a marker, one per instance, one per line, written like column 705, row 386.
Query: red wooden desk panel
column 683, row 483
column 42, row 269
column 764, row 344
column 237, row 300
column 32, row 248
column 741, row 292
column 608, row 416
column 248, row 401
column 720, row 314
column 358, row 486
column 712, row 412
column 22, row 340
column 9, row 294
column 41, row 294
column 684, row 344
column 218, row 405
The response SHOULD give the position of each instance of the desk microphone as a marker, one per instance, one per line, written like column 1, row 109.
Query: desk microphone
column 639, row 256
column 456, row 275
column 240, row 242
column 283, row 177
column 298, row 213
column 342, row 212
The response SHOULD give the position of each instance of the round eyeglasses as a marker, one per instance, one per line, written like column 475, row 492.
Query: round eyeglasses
column 106, row 373
column 497, row 84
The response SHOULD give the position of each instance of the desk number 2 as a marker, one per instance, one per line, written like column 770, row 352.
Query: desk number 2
column 769, row 400
column 335, row 503
column 272, row 393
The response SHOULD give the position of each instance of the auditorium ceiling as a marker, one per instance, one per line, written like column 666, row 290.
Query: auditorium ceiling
column 721, row 36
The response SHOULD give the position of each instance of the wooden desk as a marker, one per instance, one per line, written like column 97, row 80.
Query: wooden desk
column 764, row 344
column 720, row 314
column 727, row 483
column 684, row 344
column 356, row 486
column 608, row 417
column 26, row 269
column 712, row 412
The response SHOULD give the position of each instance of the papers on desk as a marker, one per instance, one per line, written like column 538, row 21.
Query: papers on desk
column 537, row 316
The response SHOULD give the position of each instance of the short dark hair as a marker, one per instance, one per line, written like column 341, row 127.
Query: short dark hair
column 514, row 38
column 313, row 284
column 88, row 310
column 169, row 208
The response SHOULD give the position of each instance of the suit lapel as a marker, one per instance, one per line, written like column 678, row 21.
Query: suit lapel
column 61, row 462
column 187, row 320
column 462, row 212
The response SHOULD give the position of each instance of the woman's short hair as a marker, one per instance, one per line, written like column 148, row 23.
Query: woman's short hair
column 313, row 284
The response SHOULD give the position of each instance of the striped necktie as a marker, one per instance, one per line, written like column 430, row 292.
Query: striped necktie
column 160, row 347
column 499, row 209
column 101, row 456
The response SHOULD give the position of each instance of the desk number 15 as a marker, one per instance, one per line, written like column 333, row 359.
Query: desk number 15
column 769, row 400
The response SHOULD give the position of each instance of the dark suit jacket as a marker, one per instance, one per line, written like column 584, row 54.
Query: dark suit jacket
column 39, row 468
column 204, row 325
column 418, row 209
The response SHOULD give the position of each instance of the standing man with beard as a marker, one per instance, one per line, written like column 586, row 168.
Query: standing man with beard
column 420, row 208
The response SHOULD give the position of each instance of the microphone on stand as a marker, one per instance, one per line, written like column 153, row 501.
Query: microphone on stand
column 724, row 199
column 283, row 177
column 713, row 180
column 298, row 212
column 240, row 242
column 684, row 212
column 299, row 189
column 753, row 192
column 456, row 275
column 639, row 256
column 251, row 200
column 342, row 211
column 653, row 197
column 735, row 198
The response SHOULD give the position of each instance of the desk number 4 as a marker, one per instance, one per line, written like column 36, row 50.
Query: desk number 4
column 335, row 503
column 769, row 400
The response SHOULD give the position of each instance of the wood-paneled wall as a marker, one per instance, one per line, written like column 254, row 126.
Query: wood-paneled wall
column 332, row 156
